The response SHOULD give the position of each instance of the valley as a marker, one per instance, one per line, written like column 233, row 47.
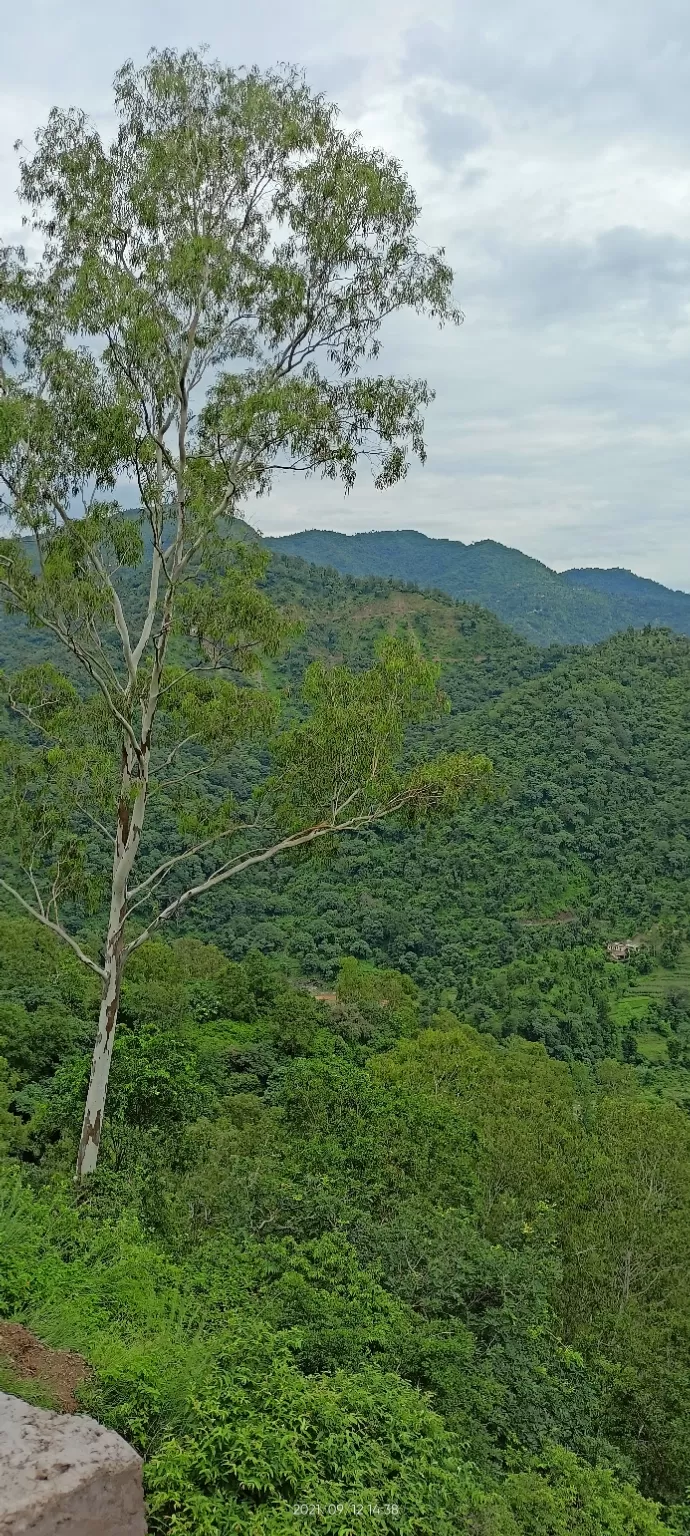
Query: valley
column 344, row 880
column 381, row 1195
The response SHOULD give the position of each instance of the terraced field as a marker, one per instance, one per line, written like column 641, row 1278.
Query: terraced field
column 630, row 1010
column 664, row 979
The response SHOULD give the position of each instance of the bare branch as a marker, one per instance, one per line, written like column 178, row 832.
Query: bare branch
column 57, row 928
column 179, row 858
column 163, row 786
column 178, row 746
column 99, row 679
column 36, row 892
column 285, row 845
column 147, row 627
column 26, row 715
column 88, row 663
column 95, row 822
column 242, row 862
column 119, row 617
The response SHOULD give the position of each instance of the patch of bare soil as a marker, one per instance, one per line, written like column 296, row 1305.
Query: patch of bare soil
column 60, row 1371
column 547, row 922
column 397, row 603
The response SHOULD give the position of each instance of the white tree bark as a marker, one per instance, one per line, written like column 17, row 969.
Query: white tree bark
column 136, row 762
column 94, row 1109
column 130, row 820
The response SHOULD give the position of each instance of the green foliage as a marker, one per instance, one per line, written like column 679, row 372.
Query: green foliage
column 11, row 1138
column 308, row 1274
column 565, row 1496
column 331, row 1255
column 504, row 910
column 495, row 1236
column 366, row 984
column 34, row 1041
column 230, row 231
column 340, row 765
column 547, row 607
column 311, row 251
column 268, row 1443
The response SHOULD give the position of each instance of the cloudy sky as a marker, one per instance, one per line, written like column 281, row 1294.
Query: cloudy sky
column 550, row 148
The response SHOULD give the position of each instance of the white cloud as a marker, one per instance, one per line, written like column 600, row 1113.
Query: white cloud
column 548, row 145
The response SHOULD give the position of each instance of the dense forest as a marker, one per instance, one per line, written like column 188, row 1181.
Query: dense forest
column 344, row 1171
column 570, row 607
column 420, row 1247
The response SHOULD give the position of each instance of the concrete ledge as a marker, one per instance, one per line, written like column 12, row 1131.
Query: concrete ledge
column 65, row 1475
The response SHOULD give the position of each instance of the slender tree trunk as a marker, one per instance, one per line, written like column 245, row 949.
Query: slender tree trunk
column 94, row 1110
column 129, row 822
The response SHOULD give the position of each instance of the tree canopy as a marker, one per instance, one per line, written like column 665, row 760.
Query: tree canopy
column 206, row 311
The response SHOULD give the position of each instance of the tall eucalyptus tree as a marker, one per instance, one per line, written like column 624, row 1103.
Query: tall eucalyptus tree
column 206, row 312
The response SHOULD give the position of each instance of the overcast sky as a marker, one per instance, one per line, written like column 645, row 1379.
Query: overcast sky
column 550, row 149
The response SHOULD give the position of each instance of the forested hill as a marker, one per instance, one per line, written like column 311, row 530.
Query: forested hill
column 572, row 608
column 590, row 833
column 341, row 617
column 592, row 751
column 646, row 602
column 427, row 1238
column 506, row 910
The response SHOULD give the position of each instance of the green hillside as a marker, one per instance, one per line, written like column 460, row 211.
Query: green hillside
column 508, row 910
column 343, row 616
column 576, row 607
column 344, row 1154
column 384, row 1244
column 589, row 835
column 644, row 601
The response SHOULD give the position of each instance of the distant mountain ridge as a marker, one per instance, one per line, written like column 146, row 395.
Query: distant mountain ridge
column 576, row 607
column 650, row 597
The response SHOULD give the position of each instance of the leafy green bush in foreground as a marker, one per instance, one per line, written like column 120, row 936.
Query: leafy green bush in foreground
column 335, row 1259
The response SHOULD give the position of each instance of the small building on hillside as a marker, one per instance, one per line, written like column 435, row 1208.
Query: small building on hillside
column 621, row 949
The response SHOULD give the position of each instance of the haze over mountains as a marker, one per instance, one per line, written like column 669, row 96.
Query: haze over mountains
column 579, row 606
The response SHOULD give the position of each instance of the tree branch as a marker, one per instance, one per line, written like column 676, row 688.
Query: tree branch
column 147, row 627
column 119, row 617
column 294, row 840
column 179, row 858
column 95, row 822
column 87, row 662
column 57, row 928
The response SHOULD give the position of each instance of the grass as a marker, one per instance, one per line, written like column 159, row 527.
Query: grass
column 629, row 1010
column 652, row 1046
column 665, row 979
column 34, row 1392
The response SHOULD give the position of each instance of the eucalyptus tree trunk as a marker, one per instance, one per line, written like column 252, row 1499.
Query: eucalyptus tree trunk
column 134, row 786
column 94, row 1109
column 130, row 819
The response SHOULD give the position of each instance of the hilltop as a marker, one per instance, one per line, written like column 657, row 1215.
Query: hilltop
column 578, row 607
